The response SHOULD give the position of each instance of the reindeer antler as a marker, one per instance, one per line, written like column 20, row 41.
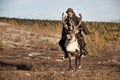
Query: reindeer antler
column 80, row 20
column 63, row 17
column 63, row 21
column 76, row 27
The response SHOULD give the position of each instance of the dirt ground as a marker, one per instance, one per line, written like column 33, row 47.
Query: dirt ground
column 46, row 64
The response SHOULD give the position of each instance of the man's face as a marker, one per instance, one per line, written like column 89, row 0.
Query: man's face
column 70, row 14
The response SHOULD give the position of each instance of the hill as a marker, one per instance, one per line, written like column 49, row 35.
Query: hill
column 29, row 50
column 101, row 32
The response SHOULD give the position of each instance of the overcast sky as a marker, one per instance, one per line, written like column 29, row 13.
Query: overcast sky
column 91, row 10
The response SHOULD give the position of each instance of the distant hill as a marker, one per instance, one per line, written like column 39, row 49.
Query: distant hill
column 101, row 32
column 117, row 20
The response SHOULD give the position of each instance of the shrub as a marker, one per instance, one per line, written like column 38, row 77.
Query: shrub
column 1, row 45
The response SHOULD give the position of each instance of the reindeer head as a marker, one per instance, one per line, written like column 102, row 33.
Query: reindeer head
column 71, row 29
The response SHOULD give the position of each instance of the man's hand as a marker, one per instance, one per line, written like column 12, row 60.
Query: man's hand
column 87, row 39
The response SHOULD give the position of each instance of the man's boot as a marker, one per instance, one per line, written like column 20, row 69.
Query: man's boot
column 84, row 51
column 65, row 55
column 62, row 45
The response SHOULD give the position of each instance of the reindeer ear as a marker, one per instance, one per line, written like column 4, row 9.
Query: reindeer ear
column 80, row 21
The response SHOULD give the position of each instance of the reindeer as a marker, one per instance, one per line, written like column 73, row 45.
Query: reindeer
column 71, row 43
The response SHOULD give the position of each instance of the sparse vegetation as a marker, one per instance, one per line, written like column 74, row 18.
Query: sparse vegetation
column 1, row 45
column 92, row 51
column 101, row 32
column 42, row 58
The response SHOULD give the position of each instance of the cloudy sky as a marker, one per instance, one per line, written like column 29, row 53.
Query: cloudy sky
column 91, row 10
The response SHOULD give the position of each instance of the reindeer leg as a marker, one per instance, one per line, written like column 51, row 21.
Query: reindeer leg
column 80, row 62
column 76, row 62
column 70, row 66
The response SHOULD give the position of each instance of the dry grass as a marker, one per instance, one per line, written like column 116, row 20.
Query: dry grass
column 101, row 32
column 1, row 45
column 15, row 64
column 94, row 68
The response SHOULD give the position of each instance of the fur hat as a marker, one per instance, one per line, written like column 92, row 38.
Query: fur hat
column 69, row 10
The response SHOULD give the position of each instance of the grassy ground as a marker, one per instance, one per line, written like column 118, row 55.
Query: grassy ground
column 44, row 62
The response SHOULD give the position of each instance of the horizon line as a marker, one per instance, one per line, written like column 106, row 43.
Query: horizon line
column 118, row 20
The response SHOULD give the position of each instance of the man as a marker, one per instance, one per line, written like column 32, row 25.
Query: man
column 81, row 42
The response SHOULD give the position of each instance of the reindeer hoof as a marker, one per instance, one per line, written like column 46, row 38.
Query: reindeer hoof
column 80, row 68
column 71, row 71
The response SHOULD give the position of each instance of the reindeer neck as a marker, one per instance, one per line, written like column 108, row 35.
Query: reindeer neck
column 73, row 39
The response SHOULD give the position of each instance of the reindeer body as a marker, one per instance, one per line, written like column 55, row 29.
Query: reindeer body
column 73, row 49
column 71, row 43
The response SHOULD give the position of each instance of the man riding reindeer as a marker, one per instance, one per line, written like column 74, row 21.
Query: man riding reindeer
column 71, row 16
